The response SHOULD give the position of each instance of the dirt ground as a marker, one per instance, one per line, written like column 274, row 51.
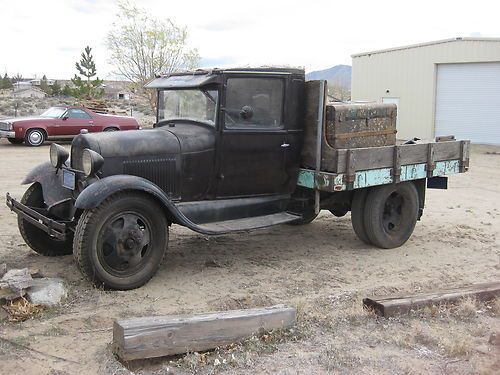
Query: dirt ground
column 321, row 268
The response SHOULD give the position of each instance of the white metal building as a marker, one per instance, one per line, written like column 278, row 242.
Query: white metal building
column 447, row 87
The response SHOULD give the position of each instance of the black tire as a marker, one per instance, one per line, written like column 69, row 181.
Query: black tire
column 307, row 217
column 126, row 228
column 358, row 215
column 391, row 213
column 36, row 238
column 15, row 141
column 34, row 137
column 111, row 130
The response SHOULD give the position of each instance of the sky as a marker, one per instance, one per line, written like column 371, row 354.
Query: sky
column 40, row 37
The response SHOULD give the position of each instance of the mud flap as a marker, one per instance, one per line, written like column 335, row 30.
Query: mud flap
column 437, row 183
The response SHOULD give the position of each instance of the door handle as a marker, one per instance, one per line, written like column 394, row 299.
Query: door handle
column 285, row 145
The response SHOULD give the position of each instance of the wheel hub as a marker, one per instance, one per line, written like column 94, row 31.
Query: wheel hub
column 125, row 242
column 35, row 137
column 393, row 209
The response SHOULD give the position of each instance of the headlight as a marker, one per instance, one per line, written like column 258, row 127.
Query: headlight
column 58, row 155
column 91, row 162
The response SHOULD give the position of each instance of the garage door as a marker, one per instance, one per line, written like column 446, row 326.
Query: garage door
column 468, row 101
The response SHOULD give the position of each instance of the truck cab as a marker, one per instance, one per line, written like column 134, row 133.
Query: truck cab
column 241, row 130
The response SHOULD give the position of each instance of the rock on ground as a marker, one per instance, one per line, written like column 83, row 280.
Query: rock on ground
column 47, row 291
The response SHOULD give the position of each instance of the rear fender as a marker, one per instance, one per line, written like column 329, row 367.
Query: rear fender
column 97, row 192
column 50, row 180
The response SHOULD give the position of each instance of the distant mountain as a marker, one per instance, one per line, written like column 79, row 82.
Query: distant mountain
column 339, row 75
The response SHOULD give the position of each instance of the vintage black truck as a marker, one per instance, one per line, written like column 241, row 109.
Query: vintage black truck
column 232, row 150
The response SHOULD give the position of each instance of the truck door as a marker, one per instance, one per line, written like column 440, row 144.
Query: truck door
column 253, row 137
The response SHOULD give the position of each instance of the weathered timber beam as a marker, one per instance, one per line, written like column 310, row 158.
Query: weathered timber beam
column 159, row 336
column 400, row 304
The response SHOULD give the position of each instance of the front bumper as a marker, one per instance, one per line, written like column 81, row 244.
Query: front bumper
column 7, row 134
column 51, row 227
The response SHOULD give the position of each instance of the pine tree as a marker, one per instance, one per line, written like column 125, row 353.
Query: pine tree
column 67, row 91
column 56, row 89
column 44, row 85
column 5, row 82
column 89, row 89
column 86, row 66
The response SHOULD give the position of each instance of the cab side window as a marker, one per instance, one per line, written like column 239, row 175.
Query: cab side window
column 77, row 113
column 254, row 102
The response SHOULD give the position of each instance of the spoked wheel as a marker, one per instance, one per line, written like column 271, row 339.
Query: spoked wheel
column 36, row 238
column 391, row 212
column 121, row 243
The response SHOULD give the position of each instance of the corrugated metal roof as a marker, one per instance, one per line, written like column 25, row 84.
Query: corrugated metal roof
column 458, row 39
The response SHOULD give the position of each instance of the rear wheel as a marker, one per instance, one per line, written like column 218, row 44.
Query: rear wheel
column 36, row 238
column 391, row 213
column 121, row 243
column 111, row 130
column 15, row 141
column 358, row 214
column 34, row 137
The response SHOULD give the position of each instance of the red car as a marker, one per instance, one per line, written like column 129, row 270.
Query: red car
column 61, row 122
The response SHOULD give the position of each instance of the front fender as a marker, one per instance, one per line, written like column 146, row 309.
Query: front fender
column 51, row 182
column 97, row 192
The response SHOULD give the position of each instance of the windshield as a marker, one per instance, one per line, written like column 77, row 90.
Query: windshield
column 193, row 104
column 53, row 112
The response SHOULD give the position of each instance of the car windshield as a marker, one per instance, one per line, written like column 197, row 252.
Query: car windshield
column 53, row 112
column 193, row 104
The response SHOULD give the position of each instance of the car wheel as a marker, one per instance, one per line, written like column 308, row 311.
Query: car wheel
column 15, row 141
column 34, row 137
column 110, row 130
column 358, row 214
column 391, row 213
column 121, row 243
column 35, row 238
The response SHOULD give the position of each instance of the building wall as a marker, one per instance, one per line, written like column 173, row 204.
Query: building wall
column 409, row 74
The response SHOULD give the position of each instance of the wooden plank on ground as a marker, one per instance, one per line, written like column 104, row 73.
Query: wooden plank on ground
column 401, row 304
column 159, row 336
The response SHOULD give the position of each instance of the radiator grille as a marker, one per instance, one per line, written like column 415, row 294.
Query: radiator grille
column 161, row 171
column 5, row 126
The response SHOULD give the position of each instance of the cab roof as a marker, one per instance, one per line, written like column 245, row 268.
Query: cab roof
column 202, row 77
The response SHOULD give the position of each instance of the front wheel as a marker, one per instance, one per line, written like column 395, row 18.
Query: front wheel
column 34, row 137
column 36, row 238
column 391, row 212
column 121, row 243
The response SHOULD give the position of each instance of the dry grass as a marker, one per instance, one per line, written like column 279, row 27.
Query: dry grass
column 21, row 309
column 335, row 358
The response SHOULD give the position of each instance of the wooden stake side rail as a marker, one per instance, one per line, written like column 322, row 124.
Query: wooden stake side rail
column 402, row 304
column 365, row 167
column 151, row 337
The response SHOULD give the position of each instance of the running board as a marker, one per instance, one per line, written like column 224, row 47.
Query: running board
column 221, row 227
